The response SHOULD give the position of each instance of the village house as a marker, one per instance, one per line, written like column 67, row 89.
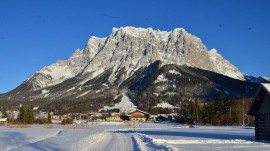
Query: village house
column 56, row 119
column 79, row 116
column 139, row 116
column 260, row 109
column 95, row 116
column 3, row 121
column 114, row 117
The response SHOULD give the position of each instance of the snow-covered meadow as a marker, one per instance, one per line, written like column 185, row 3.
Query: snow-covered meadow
column 125, row 137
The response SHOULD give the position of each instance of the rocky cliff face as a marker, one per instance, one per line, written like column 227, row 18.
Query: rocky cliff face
column 129, row 49
column 123, row 60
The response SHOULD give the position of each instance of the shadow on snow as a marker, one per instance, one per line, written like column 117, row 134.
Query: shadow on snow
column 198, row 135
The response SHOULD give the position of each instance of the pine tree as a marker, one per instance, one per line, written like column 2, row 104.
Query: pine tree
column 235, row 112
column 29, row 116
column 187, row 112
column 197, row 112
column 205, row 118
column 207, row 113
column 22, row 115
column 26, row 115
column 49, row 118
column 4, row 114
column 211, row 113
column 221, row 105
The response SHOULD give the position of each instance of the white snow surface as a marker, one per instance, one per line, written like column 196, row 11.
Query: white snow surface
column 161, row 78
column 35, row 108
column 58, row 72
column 44, row 91
column 266, row 78
column 125, row 105
column 129, row 136
column 174, row 72
column 83, row 94
column 164, row 105
column 267, row 86
column 73, row 88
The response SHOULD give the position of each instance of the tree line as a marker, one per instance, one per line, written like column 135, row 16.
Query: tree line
column 26, row 116
column 222, row 111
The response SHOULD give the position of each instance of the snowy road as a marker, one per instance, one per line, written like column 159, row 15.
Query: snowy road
column 118, row 137
column 115, row 142
column 108, row 141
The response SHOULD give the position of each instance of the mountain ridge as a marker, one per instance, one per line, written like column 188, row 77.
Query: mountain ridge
column 100, row 51
column 131, row 60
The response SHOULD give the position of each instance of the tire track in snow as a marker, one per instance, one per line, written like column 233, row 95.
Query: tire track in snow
column 145, row 143
column 109, row 141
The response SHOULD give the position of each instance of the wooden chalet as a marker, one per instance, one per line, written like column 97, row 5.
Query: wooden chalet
column 139, row 116
column 260, row 109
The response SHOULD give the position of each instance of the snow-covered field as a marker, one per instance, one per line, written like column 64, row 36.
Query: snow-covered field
column 125, row 137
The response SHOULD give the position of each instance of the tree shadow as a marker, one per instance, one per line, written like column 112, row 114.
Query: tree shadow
column 10, row 140
column 18, row 141
column 44, row 146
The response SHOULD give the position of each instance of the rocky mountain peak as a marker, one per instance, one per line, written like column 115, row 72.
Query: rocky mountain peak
column 93, row 46
column 223, row 66
column 77, row 54
column 127, row 49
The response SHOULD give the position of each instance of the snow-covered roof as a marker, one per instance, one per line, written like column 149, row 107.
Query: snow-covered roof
column 139, row 111
column 3, row 119
column 256, row 103
column 266, row 86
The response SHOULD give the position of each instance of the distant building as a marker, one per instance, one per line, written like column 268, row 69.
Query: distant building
column 3, row 121
column 260, row 109
column 162, row 117
column 114, row 118
column 139, row 116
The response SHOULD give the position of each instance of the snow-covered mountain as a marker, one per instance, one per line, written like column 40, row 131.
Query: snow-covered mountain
column 131, row 48
column 123, row 60
column 61, row 70
column 258, row 79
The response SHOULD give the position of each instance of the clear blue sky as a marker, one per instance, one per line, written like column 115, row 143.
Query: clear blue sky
column 36, row 33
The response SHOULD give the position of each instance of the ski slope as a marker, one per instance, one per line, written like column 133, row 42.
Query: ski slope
column 129, row 137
